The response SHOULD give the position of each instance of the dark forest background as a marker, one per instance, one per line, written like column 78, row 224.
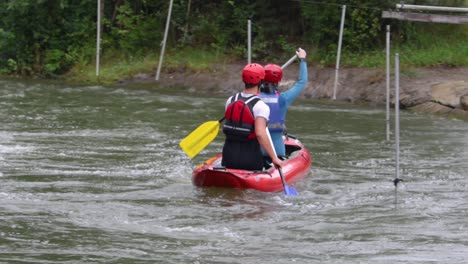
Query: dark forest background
column 50, row 37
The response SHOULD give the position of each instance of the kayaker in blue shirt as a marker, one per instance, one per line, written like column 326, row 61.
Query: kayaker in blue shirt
column 280, row 101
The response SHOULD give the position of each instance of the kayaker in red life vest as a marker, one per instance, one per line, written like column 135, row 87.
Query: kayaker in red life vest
column 279, row 102
column 246, row 118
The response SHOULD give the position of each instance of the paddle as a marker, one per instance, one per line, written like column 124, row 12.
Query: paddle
column 200, row 137
column 289, row 62
column 288, row 190
column 207, row 132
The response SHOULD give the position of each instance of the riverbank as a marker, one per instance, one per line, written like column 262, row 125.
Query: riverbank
column 440, row 90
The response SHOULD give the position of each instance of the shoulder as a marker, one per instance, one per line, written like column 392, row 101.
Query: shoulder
column 228, row 101
column 261, row 109
column 234, row 97
column 260, row 103
column 231, row 97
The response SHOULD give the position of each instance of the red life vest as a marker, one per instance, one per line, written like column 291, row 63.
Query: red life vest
column 239, row 118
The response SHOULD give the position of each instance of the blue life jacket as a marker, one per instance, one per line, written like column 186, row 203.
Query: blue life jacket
column 276, row 121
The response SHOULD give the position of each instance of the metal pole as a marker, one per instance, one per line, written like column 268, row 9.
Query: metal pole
column 249, row 41
column 432, row 8
column 397, row 118
column 164, row 40
column 387, row 118
column 339, row 51
column 98, row 37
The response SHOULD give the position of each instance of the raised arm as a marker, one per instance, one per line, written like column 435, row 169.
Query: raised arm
column 290, row 95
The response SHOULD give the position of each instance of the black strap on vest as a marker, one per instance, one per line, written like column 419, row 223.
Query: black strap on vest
column 249, row 101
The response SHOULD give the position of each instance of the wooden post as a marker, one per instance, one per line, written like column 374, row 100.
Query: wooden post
column 420, row 17
column 432, row 8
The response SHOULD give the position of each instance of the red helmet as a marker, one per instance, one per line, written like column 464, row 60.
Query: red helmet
column 273, row 73
column 253, row 73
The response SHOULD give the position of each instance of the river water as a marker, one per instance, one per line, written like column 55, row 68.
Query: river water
column 95, row 175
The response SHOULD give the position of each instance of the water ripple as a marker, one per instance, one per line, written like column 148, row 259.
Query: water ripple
column 95, row 175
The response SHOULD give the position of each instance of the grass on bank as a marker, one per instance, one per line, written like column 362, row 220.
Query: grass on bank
column 113, row 68
column 428, row 50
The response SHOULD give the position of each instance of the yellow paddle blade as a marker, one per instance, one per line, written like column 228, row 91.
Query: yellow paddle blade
column 200, row 138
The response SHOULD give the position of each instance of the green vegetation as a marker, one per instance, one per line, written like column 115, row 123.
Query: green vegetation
column 57, row 38
column 116, row 68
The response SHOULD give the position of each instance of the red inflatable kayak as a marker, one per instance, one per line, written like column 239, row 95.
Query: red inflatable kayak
column 295, row 167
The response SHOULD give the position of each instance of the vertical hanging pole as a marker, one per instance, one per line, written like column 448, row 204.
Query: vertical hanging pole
column 340, row 40
column 164, row 40
column 249, row 41
column 98, row 37
column 397, row 120
column 387, row 118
